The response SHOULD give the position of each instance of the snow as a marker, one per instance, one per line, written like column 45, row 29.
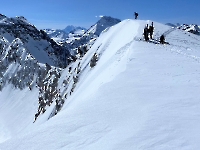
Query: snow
column 36, row 48
column 17, row 110
column 140, row 95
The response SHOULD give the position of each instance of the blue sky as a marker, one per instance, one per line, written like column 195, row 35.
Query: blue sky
column 58, row 14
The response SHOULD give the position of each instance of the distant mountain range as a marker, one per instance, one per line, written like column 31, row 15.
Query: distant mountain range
column 73, row 38
column 60, row 36
column 192, row 28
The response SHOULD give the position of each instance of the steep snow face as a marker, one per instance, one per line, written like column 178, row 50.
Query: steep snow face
column 138, row 95
column 17, row 111
column 23, row 77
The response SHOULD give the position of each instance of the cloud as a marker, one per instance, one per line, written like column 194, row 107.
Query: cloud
column 100, row 16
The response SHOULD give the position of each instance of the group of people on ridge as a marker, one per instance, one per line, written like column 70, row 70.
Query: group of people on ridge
column 148, row 33
column 148, row 30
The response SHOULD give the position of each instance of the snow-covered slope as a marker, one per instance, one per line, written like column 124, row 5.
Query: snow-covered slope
column 139, row 95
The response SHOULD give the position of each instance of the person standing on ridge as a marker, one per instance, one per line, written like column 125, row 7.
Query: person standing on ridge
column 146, row 33
column 162, row 39
column 151, row 28
column 136, row 15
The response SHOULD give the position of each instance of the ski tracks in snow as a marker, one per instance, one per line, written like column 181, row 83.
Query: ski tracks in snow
column 123, row 51
column 4, row 132
column 183, row 51
column 184, row 48
column 177, row 45
column 121, row 57
column 181, row 45
column 169, row 31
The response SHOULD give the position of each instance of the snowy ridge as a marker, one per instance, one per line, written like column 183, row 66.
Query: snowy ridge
column 138, row 95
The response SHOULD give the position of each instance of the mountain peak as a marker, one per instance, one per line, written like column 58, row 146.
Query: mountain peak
column 104, row 22
column 70, row 28
column 105, row 19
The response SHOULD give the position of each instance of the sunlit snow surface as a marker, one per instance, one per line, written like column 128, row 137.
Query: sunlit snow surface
column 139, row 96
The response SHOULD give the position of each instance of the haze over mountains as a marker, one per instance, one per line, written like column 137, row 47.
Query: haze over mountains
column 104, row 88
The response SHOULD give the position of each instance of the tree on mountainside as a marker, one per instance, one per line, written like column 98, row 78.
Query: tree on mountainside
column 93, row 60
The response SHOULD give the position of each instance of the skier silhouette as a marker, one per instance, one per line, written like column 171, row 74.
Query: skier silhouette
column 146, row 33
column 136, row 15
column 162, row 39
column 151, row 28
